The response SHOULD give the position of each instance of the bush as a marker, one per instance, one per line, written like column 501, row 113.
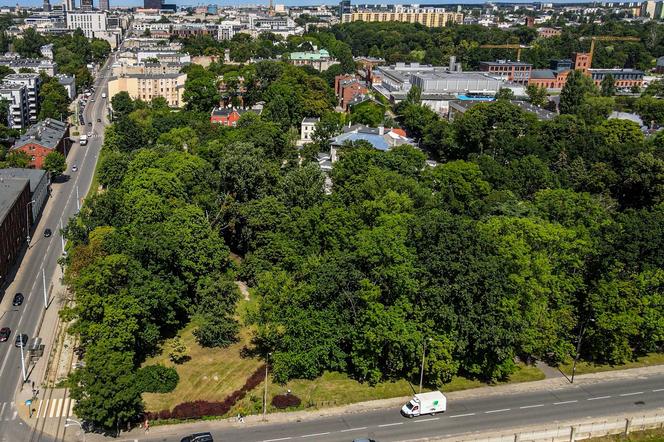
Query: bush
column 286, row 401
column 157, row 379
column 199, row 409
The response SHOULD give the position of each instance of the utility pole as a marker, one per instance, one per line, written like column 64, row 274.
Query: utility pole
column 27, row 220
column 267, row 362
column 25, row 374
column 424, row 350
column 44, row 284
column 62, row 236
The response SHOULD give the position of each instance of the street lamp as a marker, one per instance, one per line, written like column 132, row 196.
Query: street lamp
column 424, row 350
column 578, row 347
column 267, row 362
column 69, row 422
column 27, row 219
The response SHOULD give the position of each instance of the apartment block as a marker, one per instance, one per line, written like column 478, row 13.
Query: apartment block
column 32, row 82
column 148, row 86
column 16, row 95
column 431, row 17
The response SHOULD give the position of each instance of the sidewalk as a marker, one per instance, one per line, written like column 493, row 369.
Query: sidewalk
column 547, row 384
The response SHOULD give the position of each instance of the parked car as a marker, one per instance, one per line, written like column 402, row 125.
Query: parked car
column 4, row 334
column 47, row 233
column 21, row 340
column 98, row 120
column 198, row 437
column 18, row 299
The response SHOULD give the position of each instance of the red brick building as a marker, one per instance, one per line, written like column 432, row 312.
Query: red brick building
column 347, row 87
column 43, row 138
column 549, row 32
column 515, row 71
column 229, row 116
column 15, row 218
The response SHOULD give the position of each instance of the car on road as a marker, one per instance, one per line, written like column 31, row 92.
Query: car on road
column 92, row 99
column 364, row 440
column 4, row 334
column 198, row 437
column 74, row 168
column 98, row 120
column 47, row 233
column 21, row 340
column 18, row 299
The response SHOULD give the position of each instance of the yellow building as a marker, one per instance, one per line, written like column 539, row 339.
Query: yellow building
column 431, row 17
column 147, row 86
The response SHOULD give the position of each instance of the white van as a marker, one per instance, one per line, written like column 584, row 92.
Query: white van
column 425, row 403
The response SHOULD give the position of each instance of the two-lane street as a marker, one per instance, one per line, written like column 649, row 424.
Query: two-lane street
column 41, row 260
column 463, row 416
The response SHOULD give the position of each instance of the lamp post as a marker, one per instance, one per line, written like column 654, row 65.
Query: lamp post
column 267, row 362
column 424, row 351
column 27, row 219
column 578, row 347
column 69, row 422
column 25, row 373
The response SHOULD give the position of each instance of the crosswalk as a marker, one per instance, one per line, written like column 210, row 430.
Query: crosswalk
column 49, row 408
column 62, row 407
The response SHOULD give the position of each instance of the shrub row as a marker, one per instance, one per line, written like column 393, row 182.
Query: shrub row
column 285, row 401
column 199, row 409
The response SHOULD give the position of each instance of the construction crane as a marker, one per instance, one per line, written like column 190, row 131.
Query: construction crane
column 518, row 48
column 606, row 38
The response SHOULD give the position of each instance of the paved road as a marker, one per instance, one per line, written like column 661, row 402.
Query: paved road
column 495, row 412
column 42, row 256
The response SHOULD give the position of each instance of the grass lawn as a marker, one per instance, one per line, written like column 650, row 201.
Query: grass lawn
column 649, row 436
column 211, row 374
column 589, row 367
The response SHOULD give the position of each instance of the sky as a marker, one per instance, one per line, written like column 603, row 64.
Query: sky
column 254, row 2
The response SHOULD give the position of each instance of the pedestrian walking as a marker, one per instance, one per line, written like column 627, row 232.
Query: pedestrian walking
column 147, row 426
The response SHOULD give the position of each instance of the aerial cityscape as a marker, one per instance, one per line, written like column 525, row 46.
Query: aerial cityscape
column 353, row 222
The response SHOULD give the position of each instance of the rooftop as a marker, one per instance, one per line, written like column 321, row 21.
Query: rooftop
column 10, row 190
column 34, row 175
column 380, row 138
column 504, row 63
column 543, row 74
column 313, row 56
column 47, row 133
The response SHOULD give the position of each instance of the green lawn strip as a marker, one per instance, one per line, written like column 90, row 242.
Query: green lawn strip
column 583, row 367
column 656, row 435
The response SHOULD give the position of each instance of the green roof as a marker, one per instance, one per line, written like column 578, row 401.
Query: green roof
column 310, row 55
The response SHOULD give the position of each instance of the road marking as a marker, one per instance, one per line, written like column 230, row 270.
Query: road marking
column 2, row 410
column 657, row 390
column 632, row 394
column 316, row 434
column 14, row 415
column 463, row 415
column 428, row 420
column 39, row 408
column 565, row 402
column 497, row 411
column 390, row 425
column 275, row 440
column 597, row 398
column 531, row 406
column 54, row 405
column 351, row 429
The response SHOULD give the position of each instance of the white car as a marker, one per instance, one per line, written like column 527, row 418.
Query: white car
column 74, row 168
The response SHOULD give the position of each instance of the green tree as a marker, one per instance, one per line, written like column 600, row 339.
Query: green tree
column 368, row 113
column 54, row 163
column 577, row 87
column 18, row 158
column 505, row 94
column 537, row 94
column 608, row 86
column 177, row 350
column 122, row 104
column 54, row 100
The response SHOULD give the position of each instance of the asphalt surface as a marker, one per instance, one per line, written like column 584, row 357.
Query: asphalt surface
column 42, row 256
column 496, row 412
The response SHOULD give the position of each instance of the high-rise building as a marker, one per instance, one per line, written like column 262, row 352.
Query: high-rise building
column 47, row 6
column 152, row 4
column 86, row 5
column 68, row 5
column 344, row 7
column 104, row 5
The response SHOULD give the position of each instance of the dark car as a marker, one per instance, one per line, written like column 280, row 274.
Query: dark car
column 98, row 120
column 363, row 440
column 89, row 123
column 18, row 299
column 198, row 437
column 4, row 334
column 47, row 233
column 21, row 340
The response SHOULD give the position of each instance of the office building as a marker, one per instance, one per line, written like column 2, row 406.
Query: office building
column 148, row 86
column 152, row 4
column 515, row 71
column 86, row 5
column 47, row 6
column 430, row 17
column 104, row 5
column 68, row 5
column 344, row 8
column 91, row 23
column 623, row 78
column 32, row 82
